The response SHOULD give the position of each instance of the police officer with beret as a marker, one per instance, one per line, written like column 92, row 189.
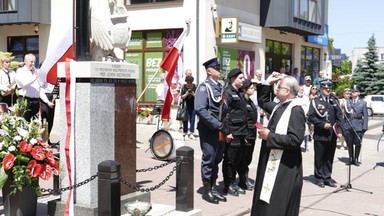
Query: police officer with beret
column 324, row 112
column 357, row 113
column 207, row 107
column 234, row 114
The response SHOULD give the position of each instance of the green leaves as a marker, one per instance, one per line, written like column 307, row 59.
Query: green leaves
column 3, row 176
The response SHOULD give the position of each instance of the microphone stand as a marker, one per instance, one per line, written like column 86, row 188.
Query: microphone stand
column 348, row 185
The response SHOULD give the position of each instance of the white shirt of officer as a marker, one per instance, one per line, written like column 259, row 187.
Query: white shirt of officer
column 27, row 79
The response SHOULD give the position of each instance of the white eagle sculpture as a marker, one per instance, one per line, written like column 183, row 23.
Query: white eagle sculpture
column 110, row 32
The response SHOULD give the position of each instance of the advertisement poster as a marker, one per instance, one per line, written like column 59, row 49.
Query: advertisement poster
column 233, row 58
column 136, row 41
column 154, row 39
column 152, row 62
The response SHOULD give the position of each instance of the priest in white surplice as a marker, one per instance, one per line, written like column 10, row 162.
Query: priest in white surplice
column 279, row 177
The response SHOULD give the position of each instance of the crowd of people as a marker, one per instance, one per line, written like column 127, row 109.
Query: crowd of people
column 299, row 111
column 25, row 84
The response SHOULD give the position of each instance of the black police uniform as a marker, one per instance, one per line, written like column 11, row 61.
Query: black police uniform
column 207, row 107
column 325, row 110
column 236, row 122
column 249, row 146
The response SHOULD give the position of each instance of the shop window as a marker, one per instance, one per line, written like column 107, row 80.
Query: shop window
column 278, row 54
column 7, row 5
column 310, row 60
column 147, row 49
column 309, row 10
column 20, row 46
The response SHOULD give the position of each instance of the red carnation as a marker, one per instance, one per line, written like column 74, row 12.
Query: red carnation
column 8, row 161
column 25, row 147
column 38, row 153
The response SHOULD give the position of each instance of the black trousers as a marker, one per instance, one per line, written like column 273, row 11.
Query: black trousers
column 33, row 108
column 48, row 113
column 232, row 158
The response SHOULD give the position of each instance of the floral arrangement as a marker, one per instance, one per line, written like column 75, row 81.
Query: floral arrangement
column 24, row 156
column 143, row 111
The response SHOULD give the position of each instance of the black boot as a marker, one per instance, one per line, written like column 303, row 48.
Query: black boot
column 207, row 195
column 242, row 182
column 357, row 153
column 230, row 189
column 239, row 189
column 250, row 186
column 217, row 194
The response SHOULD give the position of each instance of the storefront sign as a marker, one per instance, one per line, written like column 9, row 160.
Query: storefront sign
column 249, row 32
column 229, row 28
column 337, row 57
column 320, row 40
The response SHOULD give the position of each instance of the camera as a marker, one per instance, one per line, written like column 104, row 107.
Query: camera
column 189, row 90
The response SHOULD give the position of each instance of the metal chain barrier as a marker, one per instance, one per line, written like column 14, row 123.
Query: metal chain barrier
column 178, row 162
column 59, row 191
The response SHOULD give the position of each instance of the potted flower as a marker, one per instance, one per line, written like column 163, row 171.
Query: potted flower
column 24, row 156
column 144, row 113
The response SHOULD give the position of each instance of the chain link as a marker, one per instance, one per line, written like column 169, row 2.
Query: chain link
column 156, row 167
column 178, row 162
column 59, row 191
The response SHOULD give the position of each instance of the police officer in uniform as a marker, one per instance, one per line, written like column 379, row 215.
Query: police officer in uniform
column 207, row 107
column 324, row 112
column 357, row 113
column 235, row 119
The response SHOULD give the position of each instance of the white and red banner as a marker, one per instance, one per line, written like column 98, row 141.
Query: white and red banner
column 169, row 64
column 60, row 40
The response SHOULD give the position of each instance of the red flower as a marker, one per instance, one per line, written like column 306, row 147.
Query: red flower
column 45, row 172
column 148, row 114
column 42, row 143
column 33, row 168
column 8, row 161
column 25, row 147
column 50, row 157
column 38, row 153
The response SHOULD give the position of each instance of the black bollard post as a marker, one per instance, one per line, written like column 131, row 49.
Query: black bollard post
column 184, row 179
column 109, row 188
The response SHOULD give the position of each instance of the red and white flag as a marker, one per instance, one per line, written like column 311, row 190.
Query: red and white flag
column 169, row 64
column 60, row 40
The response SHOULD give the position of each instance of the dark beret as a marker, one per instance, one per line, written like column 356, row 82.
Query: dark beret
column 211, row 63
column 246, row 84
column 234, row 72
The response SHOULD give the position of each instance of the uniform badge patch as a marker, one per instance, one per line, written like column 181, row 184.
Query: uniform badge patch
column 203, row 88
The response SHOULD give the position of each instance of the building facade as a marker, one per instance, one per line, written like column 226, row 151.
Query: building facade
column 267, row 35
column 358, row 54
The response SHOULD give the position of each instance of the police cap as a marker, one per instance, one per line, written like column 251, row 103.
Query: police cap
column 326, row 84
column 347, row 91
column 211, row 63
column 356, row 88
column 234, row 73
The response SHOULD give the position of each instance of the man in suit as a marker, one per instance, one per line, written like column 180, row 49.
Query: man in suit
column 207, row 107
column 324, row 113
column 357, row 113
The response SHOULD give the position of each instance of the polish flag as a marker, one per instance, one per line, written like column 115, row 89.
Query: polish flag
column 169, row 64
column 60, row 40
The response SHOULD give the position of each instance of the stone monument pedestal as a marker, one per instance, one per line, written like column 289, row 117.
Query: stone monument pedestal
column 104, row 125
